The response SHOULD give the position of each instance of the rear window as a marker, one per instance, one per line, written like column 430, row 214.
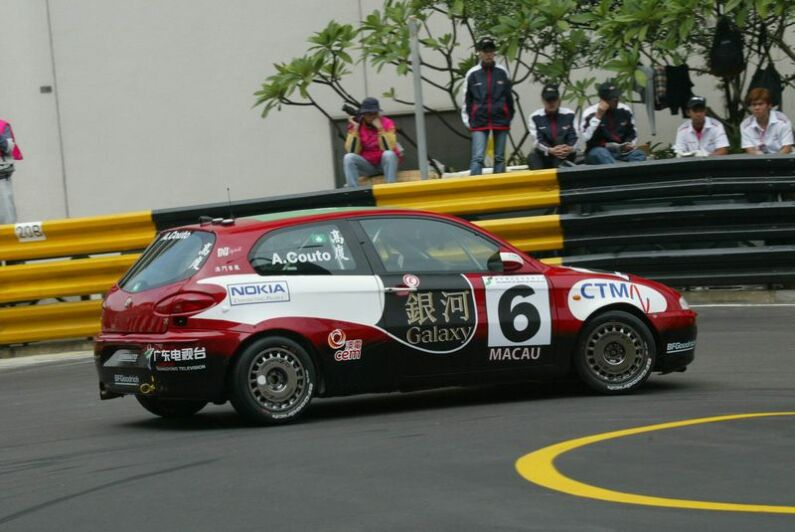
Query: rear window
column 173, row 257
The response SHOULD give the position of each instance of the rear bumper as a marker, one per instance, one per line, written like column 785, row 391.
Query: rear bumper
column 184, row 365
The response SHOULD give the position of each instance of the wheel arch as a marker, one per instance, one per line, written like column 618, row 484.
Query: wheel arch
column 286, row 333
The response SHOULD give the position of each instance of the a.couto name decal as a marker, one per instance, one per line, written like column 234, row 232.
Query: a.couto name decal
column 588, row 295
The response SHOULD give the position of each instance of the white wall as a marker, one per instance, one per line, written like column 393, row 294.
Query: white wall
column 153, row 102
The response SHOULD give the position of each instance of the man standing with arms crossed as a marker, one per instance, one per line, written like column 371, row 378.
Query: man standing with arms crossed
column 487, row 107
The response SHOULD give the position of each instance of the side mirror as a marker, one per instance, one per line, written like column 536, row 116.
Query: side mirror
column 511, row 261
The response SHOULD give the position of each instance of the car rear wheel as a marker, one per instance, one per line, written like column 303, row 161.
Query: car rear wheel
column 616, row 353
column 272, row 381
column 171, row 408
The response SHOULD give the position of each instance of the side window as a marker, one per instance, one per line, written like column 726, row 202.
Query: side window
column 424, row 245
column 306, row 250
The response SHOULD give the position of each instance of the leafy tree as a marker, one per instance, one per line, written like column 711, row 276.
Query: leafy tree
column 562, row 41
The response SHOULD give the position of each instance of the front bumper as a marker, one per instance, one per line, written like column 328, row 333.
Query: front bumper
column 677, row 342
column 188, row 365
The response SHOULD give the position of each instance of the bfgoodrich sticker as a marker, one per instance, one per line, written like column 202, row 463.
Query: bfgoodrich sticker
column 261, row 292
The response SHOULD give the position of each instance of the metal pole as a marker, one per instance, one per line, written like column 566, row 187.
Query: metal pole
column 419, row 108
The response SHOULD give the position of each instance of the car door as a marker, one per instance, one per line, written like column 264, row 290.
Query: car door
column 438, row 307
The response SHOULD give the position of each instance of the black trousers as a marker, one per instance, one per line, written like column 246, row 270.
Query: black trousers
column 538, row 160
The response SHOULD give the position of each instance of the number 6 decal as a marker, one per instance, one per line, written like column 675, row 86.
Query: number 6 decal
column 508, row 312
column 518, row 310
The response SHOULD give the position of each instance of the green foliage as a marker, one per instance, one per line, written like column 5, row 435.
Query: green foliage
column 540, row 41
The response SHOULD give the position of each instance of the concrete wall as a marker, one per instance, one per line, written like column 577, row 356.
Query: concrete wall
column 152, row 102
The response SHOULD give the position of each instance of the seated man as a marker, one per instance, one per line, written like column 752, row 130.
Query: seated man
column 553, row 132
column 766, row 130
column 371, row 145
column 701, row 135
column 608, row 129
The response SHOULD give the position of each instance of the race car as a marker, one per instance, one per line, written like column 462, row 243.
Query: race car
column 268, row 312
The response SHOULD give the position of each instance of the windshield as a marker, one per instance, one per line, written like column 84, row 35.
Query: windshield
column 173, row 257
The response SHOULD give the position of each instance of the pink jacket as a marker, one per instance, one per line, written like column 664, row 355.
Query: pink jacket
column 15, row 153
column 370, row 145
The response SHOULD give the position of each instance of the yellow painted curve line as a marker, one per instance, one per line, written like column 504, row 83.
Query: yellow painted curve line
column 538, row 467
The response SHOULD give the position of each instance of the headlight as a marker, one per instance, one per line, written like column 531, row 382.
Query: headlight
column 683, row 303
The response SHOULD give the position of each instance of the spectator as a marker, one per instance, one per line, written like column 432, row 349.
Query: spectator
column 487, row 107
column 553, row 132
column 701, row 135
column 9, row 152
column 766, row 131
column 608, row 129
column 371, row 145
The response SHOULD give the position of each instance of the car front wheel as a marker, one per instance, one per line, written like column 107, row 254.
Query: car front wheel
column 616, row 353
column 273, row 381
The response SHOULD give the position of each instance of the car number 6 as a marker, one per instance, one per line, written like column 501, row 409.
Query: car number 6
column 508, row 313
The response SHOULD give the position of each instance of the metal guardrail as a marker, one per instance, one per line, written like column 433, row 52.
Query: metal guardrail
column 516, row 191
column 32, row 294
column 711, row 221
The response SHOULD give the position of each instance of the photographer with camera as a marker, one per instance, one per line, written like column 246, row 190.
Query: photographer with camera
column 371, row 145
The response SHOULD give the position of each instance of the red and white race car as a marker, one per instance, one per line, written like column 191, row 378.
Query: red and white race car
column 271, row 311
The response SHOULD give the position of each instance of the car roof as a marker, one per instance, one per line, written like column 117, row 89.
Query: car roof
column 280, row 219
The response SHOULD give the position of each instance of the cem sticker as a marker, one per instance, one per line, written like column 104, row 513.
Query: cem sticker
column 440, row 317
column 346, row 349
column 261, row 292
column 590, row 294
column 518, row 313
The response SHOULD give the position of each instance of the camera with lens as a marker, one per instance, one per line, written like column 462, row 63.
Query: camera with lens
column 352, row 111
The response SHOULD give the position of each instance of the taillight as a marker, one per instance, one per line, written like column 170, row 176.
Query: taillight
column 187, row 303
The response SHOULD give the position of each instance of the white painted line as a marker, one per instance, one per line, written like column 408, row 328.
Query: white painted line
column 20, row 362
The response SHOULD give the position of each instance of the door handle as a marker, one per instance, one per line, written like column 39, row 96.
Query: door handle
column 394, row 289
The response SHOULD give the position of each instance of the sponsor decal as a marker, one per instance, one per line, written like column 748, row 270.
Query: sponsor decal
column 226, row 251
column 679, row 347
column 203, row 252
column 590, row 294
column 514, row 353
column 168, row 359
column 411, row 280
column 175, row 235
column 336, row 338
column 585, row 270
column 260, row 292
column 338, row 245
column 227, row 268
column 125, row 380
column 439, row 319
column 518, row 313
column 347, row 349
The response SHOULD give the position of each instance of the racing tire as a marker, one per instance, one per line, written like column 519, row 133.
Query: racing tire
column 170, row 408
column 272, row 381
column 615, row 353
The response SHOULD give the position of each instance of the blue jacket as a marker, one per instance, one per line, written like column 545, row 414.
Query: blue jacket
column 488, row 101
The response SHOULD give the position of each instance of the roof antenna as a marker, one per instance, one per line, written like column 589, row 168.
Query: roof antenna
column 231, row 218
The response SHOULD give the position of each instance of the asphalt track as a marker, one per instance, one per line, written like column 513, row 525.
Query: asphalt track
column 439, row 460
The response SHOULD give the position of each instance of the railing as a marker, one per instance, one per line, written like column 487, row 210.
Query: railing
column 706, row 222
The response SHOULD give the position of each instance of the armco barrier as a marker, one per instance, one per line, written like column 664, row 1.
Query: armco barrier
column 712, row 221
column 517, row 191
column 27, row 289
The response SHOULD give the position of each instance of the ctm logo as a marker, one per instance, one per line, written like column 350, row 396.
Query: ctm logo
column 614, row 290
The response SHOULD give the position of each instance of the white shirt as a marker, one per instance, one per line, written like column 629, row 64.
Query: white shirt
column 713, row 136
column 770, row 140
